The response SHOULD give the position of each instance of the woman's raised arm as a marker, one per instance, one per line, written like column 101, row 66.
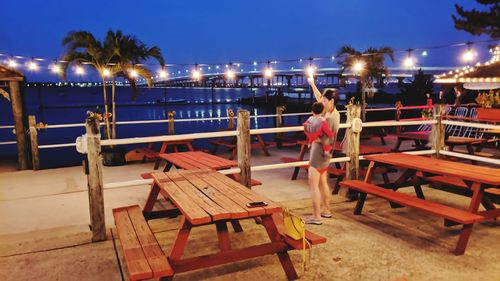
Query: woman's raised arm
column 317, row 93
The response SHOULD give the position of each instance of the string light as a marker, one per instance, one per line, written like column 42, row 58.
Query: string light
column 12, row 63
column 468, row 56
column 358, row 66
column 133, row 73
column 79, row 70
column 254, row 63
column 163, row 73
column 230, row 74
column 55, row 68
column 424, row 53
column 32, row 66
column 268, row 72
column 106, row 72
column 409, row 62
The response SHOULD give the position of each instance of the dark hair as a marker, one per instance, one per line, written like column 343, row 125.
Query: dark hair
column 331, row 94
column 317, row 108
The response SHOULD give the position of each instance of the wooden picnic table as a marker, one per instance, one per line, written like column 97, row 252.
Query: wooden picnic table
column 476, row 178
column 191, row 160
column 231, row 143
column 149, row 152
column 207, row 197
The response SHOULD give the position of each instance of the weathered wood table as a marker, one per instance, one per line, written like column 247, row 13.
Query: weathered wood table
column 192, row 160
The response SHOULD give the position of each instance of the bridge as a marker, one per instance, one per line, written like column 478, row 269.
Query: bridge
column 286, row 78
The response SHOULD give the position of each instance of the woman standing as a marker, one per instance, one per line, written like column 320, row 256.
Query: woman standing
column 318, row 181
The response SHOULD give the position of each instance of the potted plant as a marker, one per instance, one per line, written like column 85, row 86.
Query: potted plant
column 490, row 106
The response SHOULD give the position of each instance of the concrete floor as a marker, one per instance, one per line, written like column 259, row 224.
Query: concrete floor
column 44, row 232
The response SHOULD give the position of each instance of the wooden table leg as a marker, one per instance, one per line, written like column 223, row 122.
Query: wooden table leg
column 180, row 240
column 223, row 236
column 168, row 166
column 463, row 239
column 262, row 144
column 236, row 226
column 162, row 150
column 189, row 146
column 152, row 197
column 286, row 263
column 477, row 197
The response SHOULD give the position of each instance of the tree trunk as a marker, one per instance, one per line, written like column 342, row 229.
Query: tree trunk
column 105, row 97
column 113, row 108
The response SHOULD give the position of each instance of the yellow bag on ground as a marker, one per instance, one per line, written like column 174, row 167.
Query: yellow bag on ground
column 295, row 229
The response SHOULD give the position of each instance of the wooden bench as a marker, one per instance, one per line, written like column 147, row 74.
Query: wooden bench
column 456, row 215
column 314, row 239
column 147, row 152
column 142, row 254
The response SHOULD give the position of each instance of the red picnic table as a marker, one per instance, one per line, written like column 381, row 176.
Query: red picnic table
column 202, row 197
column 196, row 160
column 150, row 153
column 481, row 181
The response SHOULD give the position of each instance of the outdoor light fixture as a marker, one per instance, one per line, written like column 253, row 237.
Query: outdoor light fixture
column 79, row 70
column 55, row 68
column 106, row 72
column 254, row 63
column 468, row 56
column 133, row 73
column 163, row 73
column 196, row 75
column 358, row 66
column 409, row 62
column 424, row 53
column 268, row 72
column 32, row 66
column 310, row 71
column 12, row 63
column 230, row 75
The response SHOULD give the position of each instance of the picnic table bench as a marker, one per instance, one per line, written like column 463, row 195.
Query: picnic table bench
column 203, row 197
column 481, row 181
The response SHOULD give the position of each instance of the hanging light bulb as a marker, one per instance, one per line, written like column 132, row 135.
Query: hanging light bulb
column 268, row 72
column 254, row 63
column 32, row 66
column 409, row 62
column 424, row 53
column 310, row 71
column 133, row 73
column 230, row 74
column 106, row 72
column 358, row 66
column 12, row 63
column 163, row 73
column 468, row 56
column 79, row 70
column 55, row 68
column 196, row 75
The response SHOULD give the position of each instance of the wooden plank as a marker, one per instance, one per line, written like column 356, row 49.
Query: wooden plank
column 35, row 160
column 222, row 199
column 208, row 162
column 201, row 199
column 244, row 149
column 137, row 264
column 247, row 194
column 196, row 161
column 152, row 251
column 178, row 159
column 222, row 160
column 193, row 213
column 434, row 208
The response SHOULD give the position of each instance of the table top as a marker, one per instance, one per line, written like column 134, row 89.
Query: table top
column 206, row 196
column 191, row 160
column 485, row 175
column 363, row 149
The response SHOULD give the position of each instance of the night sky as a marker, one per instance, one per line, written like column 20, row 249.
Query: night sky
column 222, row 31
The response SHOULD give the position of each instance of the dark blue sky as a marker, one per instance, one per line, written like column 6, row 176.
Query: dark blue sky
column 201, row 31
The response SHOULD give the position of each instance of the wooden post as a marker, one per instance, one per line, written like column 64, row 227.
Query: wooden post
column 352, row 168
column 279, row 123
column 438, row 130
column 35, row 160
column 94, row 180
column 17, row 112
column 170, row 116
column 397, row 116
column 230, row 119
column 244, row 147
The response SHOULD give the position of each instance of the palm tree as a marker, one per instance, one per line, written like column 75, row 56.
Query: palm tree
column 129, row 53
column 83, row 47
column 368, row 66
column 118, row 55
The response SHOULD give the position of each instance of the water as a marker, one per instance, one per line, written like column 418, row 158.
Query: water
column 45, row 103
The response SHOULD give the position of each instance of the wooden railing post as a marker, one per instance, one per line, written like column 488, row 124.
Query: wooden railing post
column 353, row 136
column 35, row 160
column 94, row 180
column 244, row 147
column 230, row 119
column 170, row 116
column 279, row 123
column 438, row 130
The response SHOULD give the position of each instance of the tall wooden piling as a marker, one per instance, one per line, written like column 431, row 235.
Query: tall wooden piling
column 170, row 120
column 243, row 144
column 230, row 119
column 352, row 138
column 94, row 180
column 18, row 114
column 438, row 130
column 35, row 160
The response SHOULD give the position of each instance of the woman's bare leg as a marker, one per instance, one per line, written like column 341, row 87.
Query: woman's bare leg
column 314, row 178
column 324, row 190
